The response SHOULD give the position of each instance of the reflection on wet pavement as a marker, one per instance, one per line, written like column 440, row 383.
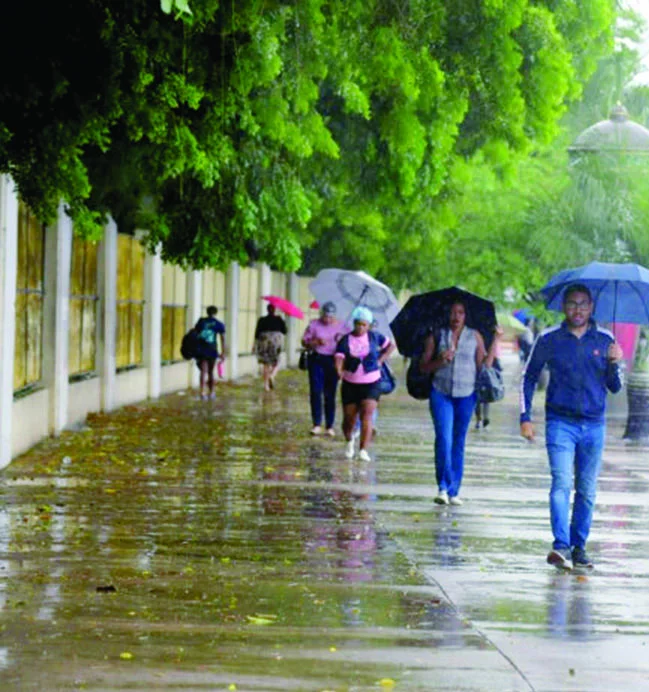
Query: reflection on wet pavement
column 215, row 545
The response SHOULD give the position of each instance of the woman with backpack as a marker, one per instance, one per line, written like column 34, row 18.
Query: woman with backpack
column 454, row 363
column 359, row 357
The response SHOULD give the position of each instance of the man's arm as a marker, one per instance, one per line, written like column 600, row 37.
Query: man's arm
column 614, row 371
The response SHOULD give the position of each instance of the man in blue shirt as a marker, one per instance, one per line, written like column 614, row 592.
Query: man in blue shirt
column 583, row 361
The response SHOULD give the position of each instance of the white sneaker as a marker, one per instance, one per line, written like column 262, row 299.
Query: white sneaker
column 455, row 501
column 331, row 432
column 364, row 455
column 442, row 498
column 349, row 450
column 316, row 430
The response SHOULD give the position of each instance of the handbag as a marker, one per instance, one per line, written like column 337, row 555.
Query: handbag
column 388, row 382
column 303, row 363
column 489, row 385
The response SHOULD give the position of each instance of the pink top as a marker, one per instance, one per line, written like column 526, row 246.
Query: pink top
column 359, row 347
column 330, row 333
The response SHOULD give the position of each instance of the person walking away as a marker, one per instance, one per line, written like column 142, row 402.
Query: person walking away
column 359, row 357
column 321, row 337
column 269, row 340
column 209, row 329
column 482, row 408
column 524, row 342
column 584, row 362
column 454, row 363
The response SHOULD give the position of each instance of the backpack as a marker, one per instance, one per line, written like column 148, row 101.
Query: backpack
column 489, row 385
column 420, row 383
column 189, row 345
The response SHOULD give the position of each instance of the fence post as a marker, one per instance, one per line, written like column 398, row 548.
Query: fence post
column 265, row 287
column 8, row 278
column 153, row 322
column 56, row 322
column 194, row 312
column 108, row 314
column 294, row 325
column 232, row 322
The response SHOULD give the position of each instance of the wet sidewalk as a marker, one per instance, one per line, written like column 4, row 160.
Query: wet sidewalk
column 189, row 545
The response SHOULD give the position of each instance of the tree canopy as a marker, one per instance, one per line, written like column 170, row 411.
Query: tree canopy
column 341, row 131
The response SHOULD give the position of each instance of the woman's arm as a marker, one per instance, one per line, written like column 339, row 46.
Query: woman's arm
column 482, row 357
column 339, row 362
column 385, row 353
column 306, row 337
column 430, row 364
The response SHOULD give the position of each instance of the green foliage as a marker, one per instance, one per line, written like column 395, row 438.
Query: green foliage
column 336, row 130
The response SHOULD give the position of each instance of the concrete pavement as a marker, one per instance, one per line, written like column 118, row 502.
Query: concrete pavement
column 188, row 545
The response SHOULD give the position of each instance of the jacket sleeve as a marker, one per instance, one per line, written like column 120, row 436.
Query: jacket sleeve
column 535, row 363
column 614, row 377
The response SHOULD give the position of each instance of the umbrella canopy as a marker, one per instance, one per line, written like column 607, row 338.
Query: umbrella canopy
column 522, row 315
column 620, row 291
column 349, row 289
column 285, row 306
column 509, row 323
column 429, row 311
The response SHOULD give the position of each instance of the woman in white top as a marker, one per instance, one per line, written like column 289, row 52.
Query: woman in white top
column 454, row 364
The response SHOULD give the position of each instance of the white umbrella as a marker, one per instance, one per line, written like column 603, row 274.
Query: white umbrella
column 349, row 289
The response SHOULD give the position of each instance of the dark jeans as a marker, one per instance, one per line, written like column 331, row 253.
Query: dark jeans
column 323, row 382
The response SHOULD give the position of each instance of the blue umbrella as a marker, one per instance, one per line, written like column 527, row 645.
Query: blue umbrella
column 426, row 312
column 523, row 315
column 620, row 291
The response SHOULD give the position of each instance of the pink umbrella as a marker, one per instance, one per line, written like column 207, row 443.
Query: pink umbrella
column 285, row 306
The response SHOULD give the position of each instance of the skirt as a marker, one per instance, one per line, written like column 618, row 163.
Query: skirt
column 268, row 347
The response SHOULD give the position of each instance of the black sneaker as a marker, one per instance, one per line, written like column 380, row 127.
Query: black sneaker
column 560, row 558
column 580, row 558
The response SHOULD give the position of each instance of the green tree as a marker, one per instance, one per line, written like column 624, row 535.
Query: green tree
column 254, row 129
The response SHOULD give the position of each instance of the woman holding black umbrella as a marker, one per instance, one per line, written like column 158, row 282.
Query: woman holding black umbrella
column 454, row 356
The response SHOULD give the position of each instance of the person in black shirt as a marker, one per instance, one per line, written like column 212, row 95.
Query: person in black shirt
column 269, row 339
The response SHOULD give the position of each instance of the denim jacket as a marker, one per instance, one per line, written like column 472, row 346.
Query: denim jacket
column 370, row 362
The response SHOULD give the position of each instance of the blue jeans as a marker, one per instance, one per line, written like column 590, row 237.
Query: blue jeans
column 323, row 382
column 451, row 417
column 575, row 451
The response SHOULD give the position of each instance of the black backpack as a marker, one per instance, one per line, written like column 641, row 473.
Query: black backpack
column 420, row 383
column 189, row 345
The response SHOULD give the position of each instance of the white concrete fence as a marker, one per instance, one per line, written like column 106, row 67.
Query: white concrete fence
column 56, row 401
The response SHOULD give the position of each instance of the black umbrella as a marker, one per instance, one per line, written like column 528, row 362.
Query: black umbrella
column 428, row 312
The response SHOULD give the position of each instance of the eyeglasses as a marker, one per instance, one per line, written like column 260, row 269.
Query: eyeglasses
column 574, row 305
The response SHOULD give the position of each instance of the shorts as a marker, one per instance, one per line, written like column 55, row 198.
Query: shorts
column 355, row 393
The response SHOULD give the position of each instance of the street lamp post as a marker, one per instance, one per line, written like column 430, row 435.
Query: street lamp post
column 621, row 138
